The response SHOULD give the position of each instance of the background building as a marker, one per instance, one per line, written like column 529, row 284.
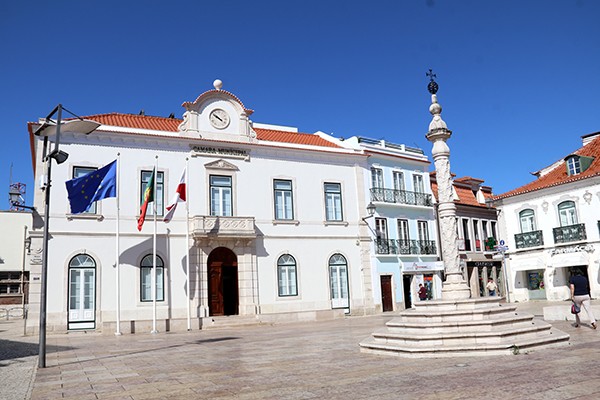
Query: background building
column 14, row 271
column 552, row 225
column 405, row 247
column 477, row 234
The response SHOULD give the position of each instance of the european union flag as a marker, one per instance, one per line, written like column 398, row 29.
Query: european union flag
column 92, row 187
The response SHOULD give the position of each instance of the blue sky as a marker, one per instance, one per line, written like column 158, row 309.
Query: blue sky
column 518, row 80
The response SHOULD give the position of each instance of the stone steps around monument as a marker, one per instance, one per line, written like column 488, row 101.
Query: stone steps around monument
column 482, row 326
column 527, row 330
column 469, row 324
column 554, row 338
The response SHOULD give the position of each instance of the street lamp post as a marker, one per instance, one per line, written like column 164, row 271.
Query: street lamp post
column 78, row 125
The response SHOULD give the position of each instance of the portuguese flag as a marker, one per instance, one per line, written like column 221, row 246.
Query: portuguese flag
column 147, row 198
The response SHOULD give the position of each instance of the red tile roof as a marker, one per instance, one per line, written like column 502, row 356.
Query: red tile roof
column 171, row 124
column 465, row 194
column 558, row 175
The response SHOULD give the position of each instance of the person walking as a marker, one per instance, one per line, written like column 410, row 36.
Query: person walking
column 422, row 292
column 491, row 287
column 580, row 295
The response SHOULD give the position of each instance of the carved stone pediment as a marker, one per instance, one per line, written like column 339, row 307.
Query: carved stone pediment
column 222, row 165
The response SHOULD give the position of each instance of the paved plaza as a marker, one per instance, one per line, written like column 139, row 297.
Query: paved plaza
column 312, row 360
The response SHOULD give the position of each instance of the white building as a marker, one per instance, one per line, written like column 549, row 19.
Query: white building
column 405, row 250
column 14, row 246
column 552, row 224
column 275, row 223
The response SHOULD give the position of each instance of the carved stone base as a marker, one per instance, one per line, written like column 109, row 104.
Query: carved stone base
column 455, row 288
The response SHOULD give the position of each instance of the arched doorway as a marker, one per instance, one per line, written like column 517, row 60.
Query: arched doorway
column 223, row 297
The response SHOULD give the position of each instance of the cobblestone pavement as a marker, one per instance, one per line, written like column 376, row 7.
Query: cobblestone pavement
column 313, row 360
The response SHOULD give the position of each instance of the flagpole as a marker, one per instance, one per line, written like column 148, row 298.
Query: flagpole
column 187, row 246
column 118, row 251
column 154, row 285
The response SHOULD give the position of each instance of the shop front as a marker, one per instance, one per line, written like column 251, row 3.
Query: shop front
column 479, row 271
column 420, row 272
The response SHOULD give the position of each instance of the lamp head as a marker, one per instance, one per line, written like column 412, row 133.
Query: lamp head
column 371, row 209
column 59, row 155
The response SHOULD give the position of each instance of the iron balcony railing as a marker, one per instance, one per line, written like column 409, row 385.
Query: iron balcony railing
column 401, row 246
column 529, row 239
column 571, row 233
column 401, row 197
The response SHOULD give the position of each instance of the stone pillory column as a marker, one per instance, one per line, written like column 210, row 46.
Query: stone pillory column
column 454, row 286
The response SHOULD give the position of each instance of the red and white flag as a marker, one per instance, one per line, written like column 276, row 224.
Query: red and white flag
column 179, row 197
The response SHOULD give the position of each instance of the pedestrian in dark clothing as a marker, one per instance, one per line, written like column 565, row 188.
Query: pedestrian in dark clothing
column 580, row 295
column 422, row 292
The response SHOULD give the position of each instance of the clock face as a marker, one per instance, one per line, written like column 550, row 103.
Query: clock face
column 219, row 118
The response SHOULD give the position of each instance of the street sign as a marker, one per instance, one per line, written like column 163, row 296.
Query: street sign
column 501, row 249
column 501, row 242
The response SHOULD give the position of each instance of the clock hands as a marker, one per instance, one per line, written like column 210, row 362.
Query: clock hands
column 217, row 117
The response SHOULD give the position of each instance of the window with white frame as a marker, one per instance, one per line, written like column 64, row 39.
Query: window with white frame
column 418, row 183
column 527, row 220
column 220, row 196
column 286, row 276
column 333, row 202
column 146, row 268
column 283, row 197
column 376, row 178
column 381, row 228
column 476, row 235
column 403, row 232
column 567, row 213
column 158, row 196
column 398, row 178
column 78, row 172
column 423, row 230
column 574, row 165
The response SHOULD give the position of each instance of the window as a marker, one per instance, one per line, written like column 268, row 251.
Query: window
column 527, row 221
column 381, row 228
column 493, row 224
column 338, row 279
column 476, row 235
column 283, row 199
column 286, row 275
column 220, row 196
column 78, row 172
column 418, row 184
column 567, row 213
column 333, row 202
column 398, row 180
column 423, row 230
column 403, row 233
column 573, row 165
column 376, row 178
column 146, row 279
column 158, row 196
column 484, row 226
column 10, row 282
column 82, row 292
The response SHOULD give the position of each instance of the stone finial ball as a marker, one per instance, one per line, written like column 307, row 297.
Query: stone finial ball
column 218, row 84
column 435, row 108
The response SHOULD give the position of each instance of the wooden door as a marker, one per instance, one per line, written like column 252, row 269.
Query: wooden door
column 387, row 300
column 215, row 289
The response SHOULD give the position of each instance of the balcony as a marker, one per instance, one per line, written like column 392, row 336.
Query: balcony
column 529, row 239
column 405, row 247
column 571, row 233
column 401, row 197
column 222, row 227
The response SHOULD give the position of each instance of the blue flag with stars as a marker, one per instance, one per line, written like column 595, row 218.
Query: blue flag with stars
column 92, row 187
